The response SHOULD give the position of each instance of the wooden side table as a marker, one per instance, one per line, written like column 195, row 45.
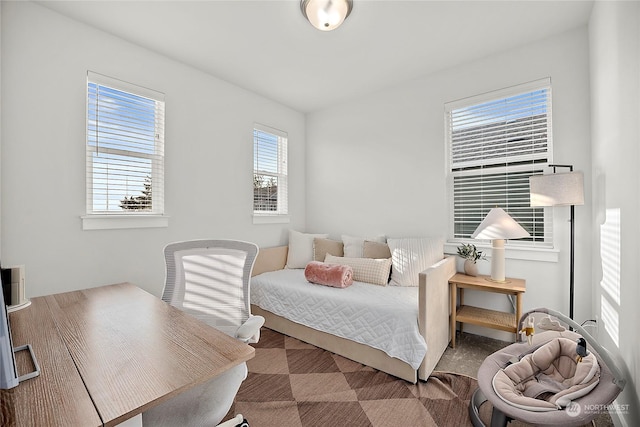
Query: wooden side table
column 482, row 316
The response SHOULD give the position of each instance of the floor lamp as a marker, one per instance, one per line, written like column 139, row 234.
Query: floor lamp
column 498, row 226
column 560, row 189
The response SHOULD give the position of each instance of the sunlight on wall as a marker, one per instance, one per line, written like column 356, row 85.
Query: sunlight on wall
column 610, row 319
column 610, row 284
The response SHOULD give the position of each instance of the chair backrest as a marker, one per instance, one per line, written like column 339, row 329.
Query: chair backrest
column 210, row 280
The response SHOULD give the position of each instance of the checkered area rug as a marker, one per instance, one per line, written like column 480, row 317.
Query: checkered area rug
column 294, row 384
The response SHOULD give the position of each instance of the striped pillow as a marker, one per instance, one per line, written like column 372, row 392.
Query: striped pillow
column 368, row 270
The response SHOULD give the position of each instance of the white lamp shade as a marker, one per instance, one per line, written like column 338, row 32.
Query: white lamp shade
column 557, row 189
column 499, row 225
column 326, row 15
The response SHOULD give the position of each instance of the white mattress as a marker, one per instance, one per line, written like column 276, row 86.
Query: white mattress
column 383, row 317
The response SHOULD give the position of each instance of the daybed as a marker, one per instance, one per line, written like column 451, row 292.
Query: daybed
column 426, row 306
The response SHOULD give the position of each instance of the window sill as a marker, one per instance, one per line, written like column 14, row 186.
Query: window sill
column 270, row 219
column 511, row 252
column 111, row 222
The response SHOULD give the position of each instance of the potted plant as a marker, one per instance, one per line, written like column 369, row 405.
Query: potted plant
column 470, row 254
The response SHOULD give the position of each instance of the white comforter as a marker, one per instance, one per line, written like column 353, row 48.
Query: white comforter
column 383, row 317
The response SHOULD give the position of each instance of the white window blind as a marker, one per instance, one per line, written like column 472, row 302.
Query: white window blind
column 495, row 142
column 270, row 193
column 125, row 148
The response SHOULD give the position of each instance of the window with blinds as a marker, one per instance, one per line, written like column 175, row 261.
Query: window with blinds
column 494, row 143
column 270, row 194
column 125, row 148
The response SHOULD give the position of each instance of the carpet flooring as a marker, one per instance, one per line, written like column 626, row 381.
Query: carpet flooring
column 292, row 383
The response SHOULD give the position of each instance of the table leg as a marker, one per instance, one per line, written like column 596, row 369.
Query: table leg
column 518, row 311
column 461, row 304
column 452, row 297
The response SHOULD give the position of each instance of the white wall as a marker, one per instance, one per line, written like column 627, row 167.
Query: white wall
column 614, row 32
column 0, row 130
column 377, row 165
column 209, row 144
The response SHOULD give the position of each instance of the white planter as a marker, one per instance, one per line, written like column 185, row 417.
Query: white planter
column 470, row 268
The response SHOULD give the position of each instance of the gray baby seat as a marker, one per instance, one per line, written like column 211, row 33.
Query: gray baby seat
column 549, row 378
column 547, row 382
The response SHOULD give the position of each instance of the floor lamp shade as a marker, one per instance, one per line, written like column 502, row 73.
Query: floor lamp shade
column 498, row 226
column 557, row 189
column 560, row 189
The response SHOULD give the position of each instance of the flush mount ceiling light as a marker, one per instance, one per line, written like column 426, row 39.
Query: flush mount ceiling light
column 326, row 15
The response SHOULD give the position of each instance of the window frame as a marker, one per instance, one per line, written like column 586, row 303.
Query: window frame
column 281, row 214
column 113, row 219
column 527, row 164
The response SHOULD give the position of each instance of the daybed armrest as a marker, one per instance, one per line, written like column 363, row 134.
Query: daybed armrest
column 433, row 311
column 270, row 259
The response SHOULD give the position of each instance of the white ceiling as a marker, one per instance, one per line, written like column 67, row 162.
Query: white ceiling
column 267, row 46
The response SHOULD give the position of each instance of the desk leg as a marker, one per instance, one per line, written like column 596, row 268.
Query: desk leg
column 518, row 311
column 452, row 297
column 132, row 422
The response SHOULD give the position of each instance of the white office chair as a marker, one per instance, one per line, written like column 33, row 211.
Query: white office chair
column 209, row 279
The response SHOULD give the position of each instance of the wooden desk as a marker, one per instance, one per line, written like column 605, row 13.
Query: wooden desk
column 57, row 396
column 130, row 349
column 482, row 316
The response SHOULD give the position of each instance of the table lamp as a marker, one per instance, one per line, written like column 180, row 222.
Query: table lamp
column 560, row 189
column 498, row 226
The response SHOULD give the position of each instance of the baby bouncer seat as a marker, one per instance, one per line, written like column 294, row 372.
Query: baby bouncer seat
column 544, row 381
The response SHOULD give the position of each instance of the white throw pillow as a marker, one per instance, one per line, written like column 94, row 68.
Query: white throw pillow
column 353, row 246
column 368, row 270
column 301, row 248
column 411, row 256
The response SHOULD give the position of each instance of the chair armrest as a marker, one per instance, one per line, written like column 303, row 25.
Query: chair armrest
column 433, row 311
column 233, row 422
column 250, row 329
